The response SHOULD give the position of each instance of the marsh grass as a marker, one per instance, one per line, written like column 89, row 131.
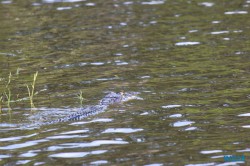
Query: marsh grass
column 80, row 97
column 32, row 90
column 7, row 97
column 7, row 94
column 1, row 102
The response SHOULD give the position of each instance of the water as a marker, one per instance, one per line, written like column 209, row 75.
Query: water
column 189, row 60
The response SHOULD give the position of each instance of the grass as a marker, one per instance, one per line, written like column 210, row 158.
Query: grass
column 1, row 102
column 80, row 97
column 32, row 90
column 6, row 97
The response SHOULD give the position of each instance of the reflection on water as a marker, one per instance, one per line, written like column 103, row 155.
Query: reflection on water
column 188, row 59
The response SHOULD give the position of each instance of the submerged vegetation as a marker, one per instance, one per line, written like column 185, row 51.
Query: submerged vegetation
column 6, row 97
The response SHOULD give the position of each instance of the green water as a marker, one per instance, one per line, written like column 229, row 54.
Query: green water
column 188, row 59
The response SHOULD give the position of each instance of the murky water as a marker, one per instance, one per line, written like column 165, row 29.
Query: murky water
column 188, row 59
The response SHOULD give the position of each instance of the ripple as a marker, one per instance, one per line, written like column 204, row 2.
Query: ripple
column 2, row 156
column 21, row 162
column 119, row 63
column 210, row 151
column 7, row 125
column 67, row 136
column 99, row 162
column 186, row 43
column 246, row 126
column 193, row 31
column 64, row 8
column 119, row 54
column 246, row 114
column 86, row 144
column 11, row 139
column 128, row 3
column 28, row 154
column 75, row 132
column 121, row 130
column 236, row 12
column 216, row 22
column 90, row 4
column 219, row 32
column 97, row 63
column 243, row 150
column 22, row 145
column 191, row 128
column 171, row 106
column 182, row 123
column 175, row 116
column 54, row 1
column 155, row 164
column 105, row 120
column 202, row 164
column 6, row 2
column 207, row 4
column 157, row 2
column 76, row 154
column 144, row 77
column 39, row 163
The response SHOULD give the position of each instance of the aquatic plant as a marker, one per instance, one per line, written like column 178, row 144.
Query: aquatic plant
column 8, row 96
column 80, row 97
column 32, row 89
column 1, row 102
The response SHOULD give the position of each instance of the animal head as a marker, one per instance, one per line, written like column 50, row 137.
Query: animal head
column 113, row 97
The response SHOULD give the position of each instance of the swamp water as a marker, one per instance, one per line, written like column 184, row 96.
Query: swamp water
column 188, row 59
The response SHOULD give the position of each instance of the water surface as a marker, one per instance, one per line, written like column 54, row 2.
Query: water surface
column 189, row 60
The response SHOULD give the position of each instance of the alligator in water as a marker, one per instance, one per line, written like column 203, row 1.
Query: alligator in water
column 110, row 99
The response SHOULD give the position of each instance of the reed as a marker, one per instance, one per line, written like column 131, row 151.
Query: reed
column 9, row 80
column 1, row 102
column 32, row 89
column 8, row 97
column 80, row 97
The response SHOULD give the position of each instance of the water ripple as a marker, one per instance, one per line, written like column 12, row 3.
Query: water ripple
column 64, row 8
column 28, row 154
column 154, row 2
column 202, row 164
column 11, row 139
column 99, row 162
column 207, row 4
column 236, row 12
column 22, row 145
column 171, row 106
column 2, row 156
column 76, row 154
column 93, row 121
column 86, row 144
column 75, row 132
column 219, row 32
column 210, row 151
column 186, row 43
column 182, row 123
column 67, row 136
column 121, row 130
column 54, row 1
